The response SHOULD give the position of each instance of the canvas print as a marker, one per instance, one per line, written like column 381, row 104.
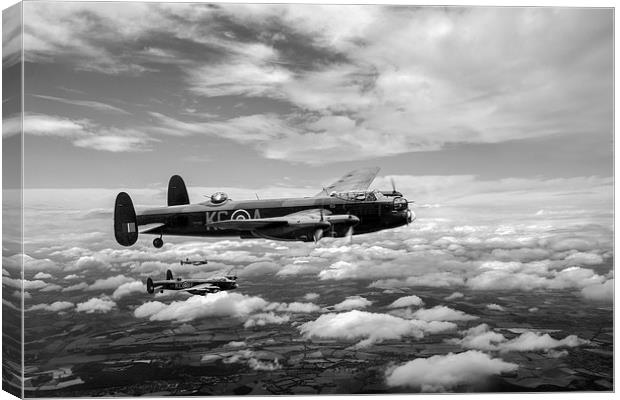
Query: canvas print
column 306, row 199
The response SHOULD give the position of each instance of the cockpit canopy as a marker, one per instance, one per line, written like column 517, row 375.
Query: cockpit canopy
column 356, row 196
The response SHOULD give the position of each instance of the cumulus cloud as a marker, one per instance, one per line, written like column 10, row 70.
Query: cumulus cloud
column 495, row 307
column 90, row 262
column 371, row 327
column 442, row 313
column 311, row 296
column 112, row 282
column 294, row 307
column 26, row 284
column 454, row 296
column 42, row 275
column 352, row 302
column 96, row 305
column 53, row 307
column 407, row 301
column 250, row 358
column 128, row 288
column 50, row 287
column 600, row 292
column 77, row 286
column 442, row 373
column 221, row 304
column 482, row 337
column 263, row 319
column 262, row 268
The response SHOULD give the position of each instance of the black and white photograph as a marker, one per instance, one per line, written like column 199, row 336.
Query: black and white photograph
column 225, row 199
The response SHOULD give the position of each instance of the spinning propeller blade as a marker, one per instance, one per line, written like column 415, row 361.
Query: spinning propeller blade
column 318, row 234
column 349, row 235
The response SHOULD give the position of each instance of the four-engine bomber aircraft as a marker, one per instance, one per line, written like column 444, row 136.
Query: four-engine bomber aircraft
column 343, row 208
column 193, row 286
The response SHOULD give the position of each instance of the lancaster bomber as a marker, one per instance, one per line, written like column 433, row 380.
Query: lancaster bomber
column 193, row 286
column 341, row 209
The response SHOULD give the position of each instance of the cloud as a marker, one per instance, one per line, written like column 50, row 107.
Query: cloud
column 221, row 304
column 83, row 133
column 77, row 286
column 520, row 279
column 128, row 288
column 600, row 292
column 294, row 307
column 442, row 313
column 263, row 319
column 42, row 275
column 454, row 296
column 113, row 282
column 407, row 301
column 26, row 284
column 442, row 373
column 371, row 327
column 250, row 358
column 352, row 302
column 259, row 269
column 96, row 305
column 54, row 307
column 581, row 258
column 91, row 262
column 482, row 338
column 495, row 307
column 311, row 296
column 51, row 287
column 114, row 143
column 95, row 105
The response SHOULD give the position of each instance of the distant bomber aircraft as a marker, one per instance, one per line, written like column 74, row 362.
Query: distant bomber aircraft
column 197, row 262
column 193, row 286
column 343, row 208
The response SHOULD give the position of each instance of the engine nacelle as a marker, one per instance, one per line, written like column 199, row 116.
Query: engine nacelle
column 218, row 197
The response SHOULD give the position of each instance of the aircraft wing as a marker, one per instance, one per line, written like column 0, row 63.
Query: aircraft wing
column 306, row 217
column 249, row 224
column 357, row 180
column 204, row 287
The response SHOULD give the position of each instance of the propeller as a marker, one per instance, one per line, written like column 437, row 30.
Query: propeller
column 318, row 234
column 393, row 184
column 349, row 235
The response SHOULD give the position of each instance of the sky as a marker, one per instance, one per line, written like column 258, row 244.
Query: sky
column 254, row 96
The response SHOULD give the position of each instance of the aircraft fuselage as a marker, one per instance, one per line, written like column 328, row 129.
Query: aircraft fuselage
column 197, row 219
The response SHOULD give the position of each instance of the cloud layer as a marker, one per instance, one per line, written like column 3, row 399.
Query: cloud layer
column 336, row 81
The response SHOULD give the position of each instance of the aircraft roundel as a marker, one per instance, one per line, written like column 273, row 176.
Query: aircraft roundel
column 240, row 214
column 186, row 285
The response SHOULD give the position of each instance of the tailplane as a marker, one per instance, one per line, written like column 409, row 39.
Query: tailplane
column 125, row 223
column 177, row 192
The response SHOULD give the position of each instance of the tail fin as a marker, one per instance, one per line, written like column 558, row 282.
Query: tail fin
column 125, row 223
column 177, row 192
column 169, row 275
column 150, row 287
